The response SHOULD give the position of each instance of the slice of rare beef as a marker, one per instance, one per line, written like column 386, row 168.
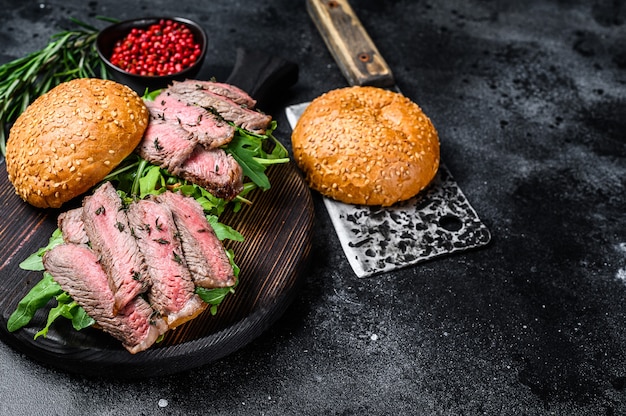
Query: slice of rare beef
column 252, row 120
column 77, row 270
column 106, row 225
column 72, row 227
column 232, row 92
column 213, row 169
column 205, row 255
column 172, row 291
column 139, row 319
column 165, row 144
column 172, row 147
column 210, row 129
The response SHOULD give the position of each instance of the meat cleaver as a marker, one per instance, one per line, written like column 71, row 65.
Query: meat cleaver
column 436, row 222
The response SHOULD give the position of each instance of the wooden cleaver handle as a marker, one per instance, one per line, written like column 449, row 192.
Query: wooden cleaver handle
column 346, row 38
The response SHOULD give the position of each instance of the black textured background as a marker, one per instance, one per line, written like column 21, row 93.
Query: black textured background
column 530, row 102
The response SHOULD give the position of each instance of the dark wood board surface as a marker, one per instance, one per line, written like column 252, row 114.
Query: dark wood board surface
column 277, row 232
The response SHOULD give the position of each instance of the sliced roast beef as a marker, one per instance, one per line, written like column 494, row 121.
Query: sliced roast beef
column 205, row 255
column 232, row 92
column 77, row 270
column 137, row 326
column 209, row 129
column 241, row 116
column 172, row 291
column 214, row 170
column 106, row 225
column 166, row 144
column 72, row 227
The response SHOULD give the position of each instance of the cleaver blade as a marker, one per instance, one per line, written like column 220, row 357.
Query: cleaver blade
column 436, row 222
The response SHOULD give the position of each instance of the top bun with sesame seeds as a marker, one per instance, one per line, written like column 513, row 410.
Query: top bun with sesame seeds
column 70, row 138
column 366, row 145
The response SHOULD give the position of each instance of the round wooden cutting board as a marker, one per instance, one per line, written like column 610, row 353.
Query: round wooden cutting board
column 277, row 231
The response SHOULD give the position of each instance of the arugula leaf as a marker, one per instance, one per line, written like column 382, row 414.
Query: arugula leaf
column 209, row 202
column 248, row 149
column 223, row 231
column 214, row 297
column 34, row 262
column 151, row 95
column 37, row 298
column 243, row 150
column 231, row 258
column 67, row 308
column 151, row 182
column 80, row 319
column 63, row 309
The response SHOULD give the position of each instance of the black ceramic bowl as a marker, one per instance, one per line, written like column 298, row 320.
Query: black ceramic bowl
column 111, row 34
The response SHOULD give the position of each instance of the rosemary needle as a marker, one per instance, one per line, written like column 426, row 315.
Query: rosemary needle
column 68, row 55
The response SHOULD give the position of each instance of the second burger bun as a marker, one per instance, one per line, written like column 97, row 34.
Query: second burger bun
column 70, row 138
column 366, row 145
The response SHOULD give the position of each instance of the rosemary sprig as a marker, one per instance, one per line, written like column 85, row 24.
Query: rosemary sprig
column 69, row 54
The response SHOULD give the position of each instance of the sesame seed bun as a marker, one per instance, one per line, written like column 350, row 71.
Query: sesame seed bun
column 366, row 145
column 70, row 138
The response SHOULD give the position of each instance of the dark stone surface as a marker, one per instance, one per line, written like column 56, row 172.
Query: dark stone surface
column 530, row 102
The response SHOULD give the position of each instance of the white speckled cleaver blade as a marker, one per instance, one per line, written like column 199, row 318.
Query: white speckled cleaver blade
column 438, row 221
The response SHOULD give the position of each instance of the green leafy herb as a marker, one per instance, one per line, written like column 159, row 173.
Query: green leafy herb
column 34, row 262
column 152, row 182
column 37, row 298
column 80, row 319
column 248, row 149
column 214, row 297
column 223, row 231
column 67, row 308
column 151, row 95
